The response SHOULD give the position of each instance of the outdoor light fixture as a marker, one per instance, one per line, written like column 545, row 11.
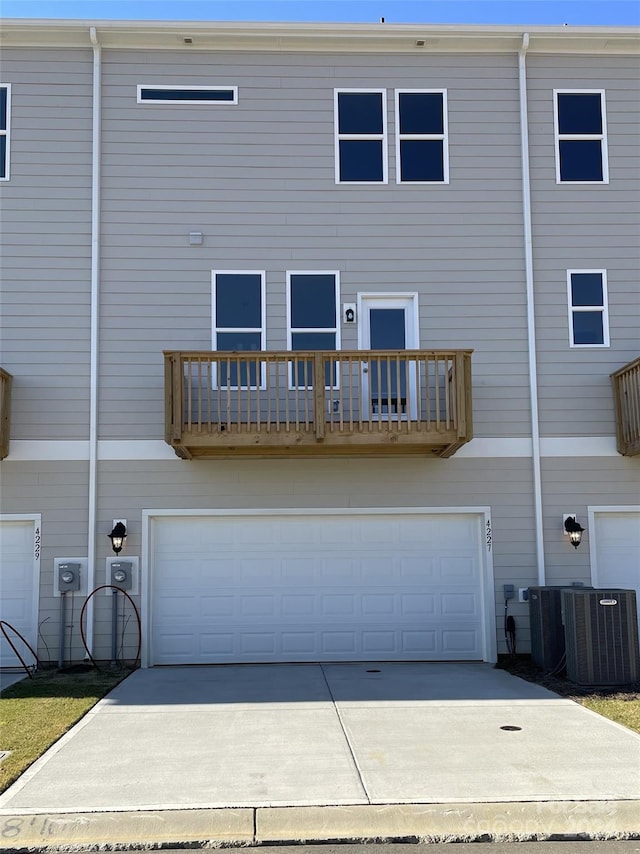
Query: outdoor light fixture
column 574, row 530
column 118, row 536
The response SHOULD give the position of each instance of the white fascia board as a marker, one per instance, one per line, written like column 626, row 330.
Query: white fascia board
column 363, row 37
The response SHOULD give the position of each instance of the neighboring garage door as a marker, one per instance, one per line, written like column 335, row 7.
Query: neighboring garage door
column 18, row 581
column 617, row 550
column 284, row 587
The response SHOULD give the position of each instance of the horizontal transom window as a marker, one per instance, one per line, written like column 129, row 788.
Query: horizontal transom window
column 187, row 94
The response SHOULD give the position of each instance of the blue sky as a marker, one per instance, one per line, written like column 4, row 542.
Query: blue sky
column 573, row 12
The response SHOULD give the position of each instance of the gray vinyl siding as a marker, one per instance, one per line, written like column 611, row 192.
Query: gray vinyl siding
column 258, row 180
column 45, row 242
column 125, row 489
column 571, row 486
column 59, row 492
column 585, row 227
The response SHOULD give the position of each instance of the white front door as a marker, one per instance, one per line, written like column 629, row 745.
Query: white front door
column 389, row 386
column 19, row 562
column 615, row 554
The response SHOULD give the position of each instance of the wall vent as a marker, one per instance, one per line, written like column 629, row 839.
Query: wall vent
column 601, row 636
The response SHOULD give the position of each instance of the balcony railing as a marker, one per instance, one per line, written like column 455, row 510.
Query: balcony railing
column 337, row 402
column 5, row 411
column 626, row 393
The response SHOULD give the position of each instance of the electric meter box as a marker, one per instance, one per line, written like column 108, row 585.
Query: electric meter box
column 68, row 577
column 121, row 574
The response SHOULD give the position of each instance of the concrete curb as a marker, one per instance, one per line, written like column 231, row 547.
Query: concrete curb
column 515, row 821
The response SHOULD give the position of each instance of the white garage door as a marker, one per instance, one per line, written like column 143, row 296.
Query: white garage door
column 617, row 551
column 18, row 579
column 249, row 588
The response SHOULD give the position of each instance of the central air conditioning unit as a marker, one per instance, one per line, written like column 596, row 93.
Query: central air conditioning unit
column 545, row 621
column 601, row 636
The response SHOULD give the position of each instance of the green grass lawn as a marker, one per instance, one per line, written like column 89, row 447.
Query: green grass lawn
column 34, row 713
column 624, row 711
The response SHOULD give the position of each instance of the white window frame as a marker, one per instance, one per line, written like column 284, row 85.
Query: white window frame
column 582, row 136
column 215, row 329
column 291, row 330
column 338, row 137
column 444, row 137
column 7, row 133
column 604, row 309
column 183, row 102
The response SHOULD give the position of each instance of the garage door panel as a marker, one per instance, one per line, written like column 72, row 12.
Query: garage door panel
column 418, row 605
column 379, row 605
column 462, row 568
column 458, row 642
column 299, row 643
column 419, row 642
column 461, row 605
column 298, row 605
column 416, row 569
column 322, row 587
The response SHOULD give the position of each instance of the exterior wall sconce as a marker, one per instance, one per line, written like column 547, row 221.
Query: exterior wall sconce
column 573, row 529
column 117, row 536
column 349, row 312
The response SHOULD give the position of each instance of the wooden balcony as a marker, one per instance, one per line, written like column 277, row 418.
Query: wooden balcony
column 626, row 394
column 283, row 403
column 5, row 411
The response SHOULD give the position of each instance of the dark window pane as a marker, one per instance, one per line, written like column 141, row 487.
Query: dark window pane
column 360, row 112
column 421, row 160
column 388, row 386
column 313, row 301
column 313, row 341
column 588, row 327
column 421, row 112
column 248, row 373
column 303, row 369
column 238, row 300
column 3, row 156
column 387, row 328
column 3, row 108
column 586, row 289
column 238, row 341
column 579, row 113
column 361, row 160
column 581, row 160
column 187, row 95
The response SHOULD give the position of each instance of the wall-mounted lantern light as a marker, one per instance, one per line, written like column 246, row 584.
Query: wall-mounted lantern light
column 117, row 536
column 573, row 529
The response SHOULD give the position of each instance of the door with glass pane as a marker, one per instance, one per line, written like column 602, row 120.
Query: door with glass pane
column 388, row 384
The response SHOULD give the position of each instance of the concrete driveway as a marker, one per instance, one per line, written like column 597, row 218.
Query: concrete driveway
column 331, row 734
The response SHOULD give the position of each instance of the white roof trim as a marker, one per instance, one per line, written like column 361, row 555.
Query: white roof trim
column 318, row 37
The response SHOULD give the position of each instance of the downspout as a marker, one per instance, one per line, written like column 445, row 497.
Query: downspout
column 95, row 293
column 531, row 321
